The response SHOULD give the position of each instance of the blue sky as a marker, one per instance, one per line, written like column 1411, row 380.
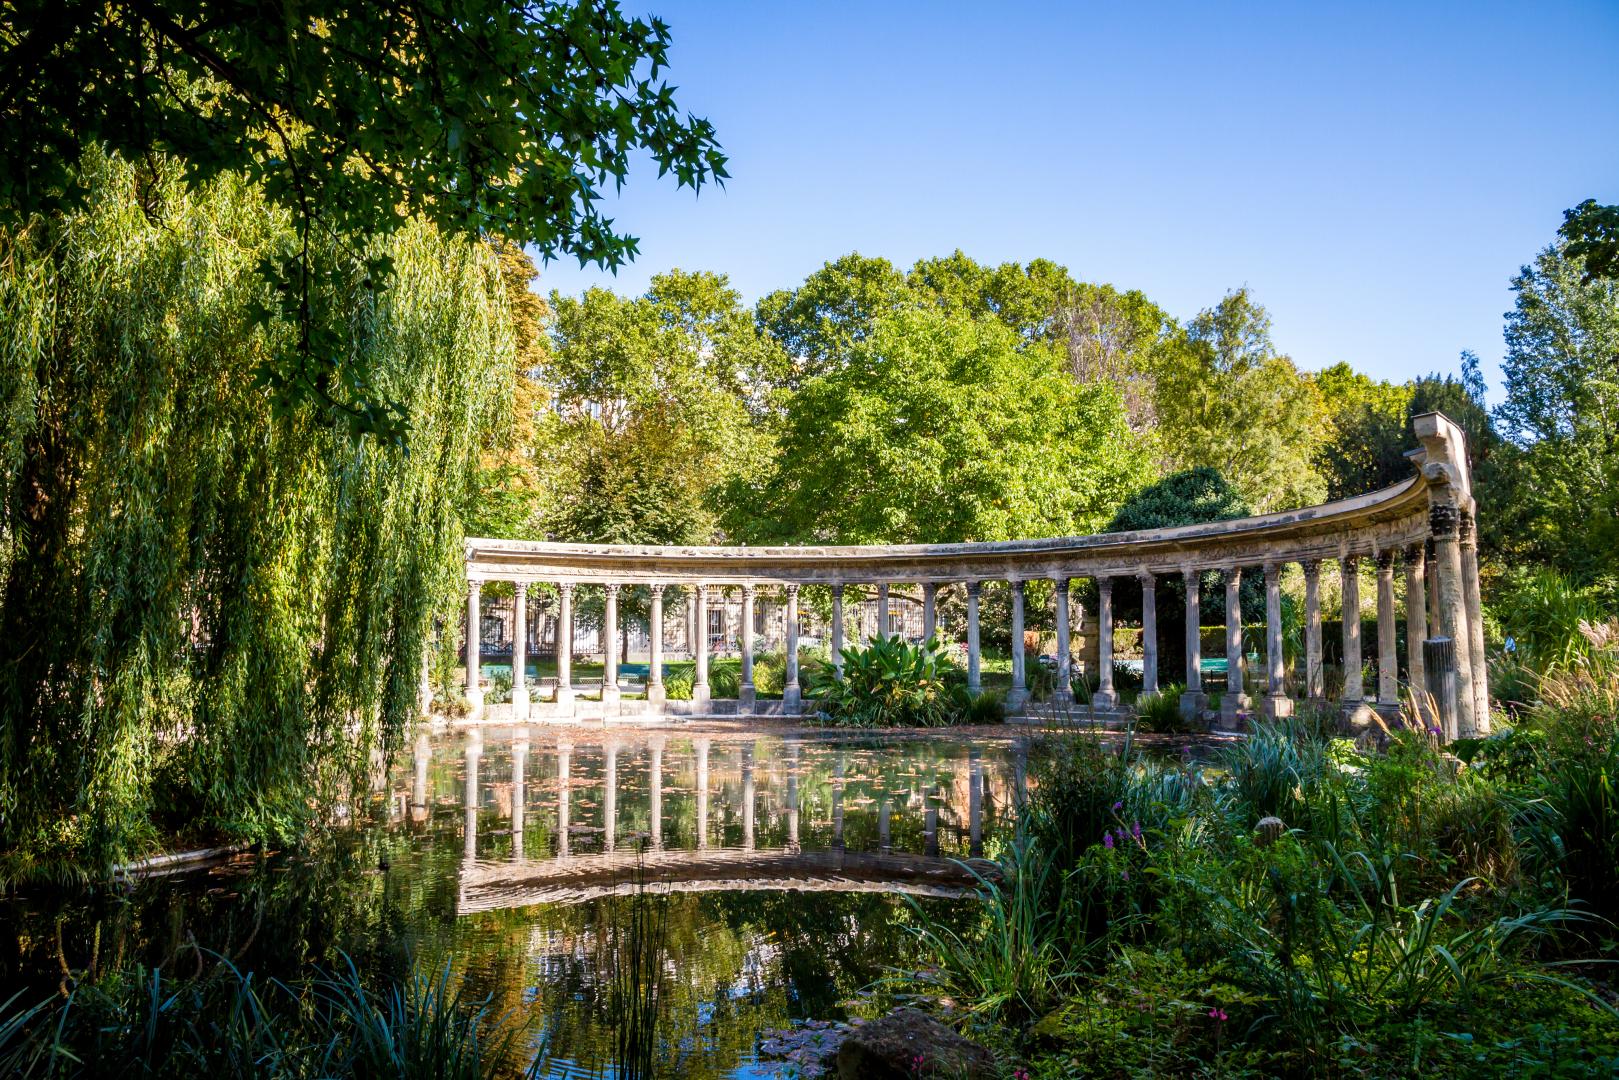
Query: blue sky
column 1375, row 173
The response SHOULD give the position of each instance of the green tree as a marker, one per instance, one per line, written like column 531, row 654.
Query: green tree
column 1192, row 497
column 1228, row 400
column 1591, row 234
column 210, row 613
column 488, row 117
column 1368, row 432
column 831, row 312
column 653, row 411
column 940, row 427
column 1561, row 416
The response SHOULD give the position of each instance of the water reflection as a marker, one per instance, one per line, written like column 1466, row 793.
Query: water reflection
column 713, row 813
column 782, row 858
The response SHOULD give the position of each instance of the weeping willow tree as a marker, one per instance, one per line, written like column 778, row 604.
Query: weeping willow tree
column 214, row 612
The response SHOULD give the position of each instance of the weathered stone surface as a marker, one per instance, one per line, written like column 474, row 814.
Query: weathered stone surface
column 908, row 1043
column 1269, row 830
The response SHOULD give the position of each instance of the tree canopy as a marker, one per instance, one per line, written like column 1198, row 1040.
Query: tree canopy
column 937, row 427
column 482, row 117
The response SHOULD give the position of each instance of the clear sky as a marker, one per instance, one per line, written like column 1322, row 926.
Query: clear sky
column 1375, row 173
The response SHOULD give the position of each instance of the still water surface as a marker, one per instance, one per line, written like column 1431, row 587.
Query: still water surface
column 791, row 862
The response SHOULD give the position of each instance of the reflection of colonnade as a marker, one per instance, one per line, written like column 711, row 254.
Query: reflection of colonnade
column 1426, row 524
column 785, row 775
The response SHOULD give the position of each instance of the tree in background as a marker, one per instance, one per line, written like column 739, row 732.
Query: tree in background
column 1591, row 234
column 1561, row 417
column 1231, row 402
column 513, row 494
column 1368, row 431
column 832, row 312
column 1191, row 497
column 660, row 403
column 941, row 427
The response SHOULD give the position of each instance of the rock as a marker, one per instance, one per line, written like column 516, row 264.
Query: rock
column 806, row 1051
column 907, row 1043
column 1269, row 830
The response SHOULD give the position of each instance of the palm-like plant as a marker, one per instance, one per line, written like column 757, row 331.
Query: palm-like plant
column 892, row 683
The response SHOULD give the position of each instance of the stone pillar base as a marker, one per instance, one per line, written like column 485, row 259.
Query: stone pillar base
column 656, row 695
column 700, row 696
column 611, row 696
column 475, row 698
column 747, row 698
column 1356, row 715
column 1193, row 702
column 1104, row 699
column 792, row 698
column 565, row 695
column 519, row 703
column 1278, row 706
column 1388, row 710
column 1232, row 704
column 1016, row 699
column 1062, row 699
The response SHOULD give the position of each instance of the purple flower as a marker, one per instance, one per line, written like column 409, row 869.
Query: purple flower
column 1125, row 874
column 1107, row 840
column 1118, row 806
column 1135, row 830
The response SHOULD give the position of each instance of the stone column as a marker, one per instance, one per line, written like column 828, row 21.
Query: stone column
column 1468, row 535
column 655, row 694
column 1149, row 632
column 1432, row 565
column 565, row 643
column 1314, row 679
column 1236, row 699
column 519, row 651
column 1445, row 520
column 837, row 629
column 474, row 632
column 1416, row 629
column 699, row 678
column 1277, row 703
column 746, row 694
column 884, row 629
column 1193, row 700
column 975, row 681
column 1020, row 687
column 424, row 689
column 610, row 691
column 1105, row 697
column 691, row 621
column 1064, row 694
column 1388, row 649
column 1353, row 703
column 791, row 699
column 930, row 611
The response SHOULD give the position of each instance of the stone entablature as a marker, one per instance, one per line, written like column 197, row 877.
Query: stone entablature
column 1427, row 520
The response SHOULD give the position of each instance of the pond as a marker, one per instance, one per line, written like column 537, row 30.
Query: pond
column 791, row 860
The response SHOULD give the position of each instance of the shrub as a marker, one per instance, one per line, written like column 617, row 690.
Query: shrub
column 677, row 684
column 1160, row 711
column 892, row 683
column 987, row 707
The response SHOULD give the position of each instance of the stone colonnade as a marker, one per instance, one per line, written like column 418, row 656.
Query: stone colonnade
column 1424, row 525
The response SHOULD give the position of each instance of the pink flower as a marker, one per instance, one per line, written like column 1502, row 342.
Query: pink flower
column 1218, row 1015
